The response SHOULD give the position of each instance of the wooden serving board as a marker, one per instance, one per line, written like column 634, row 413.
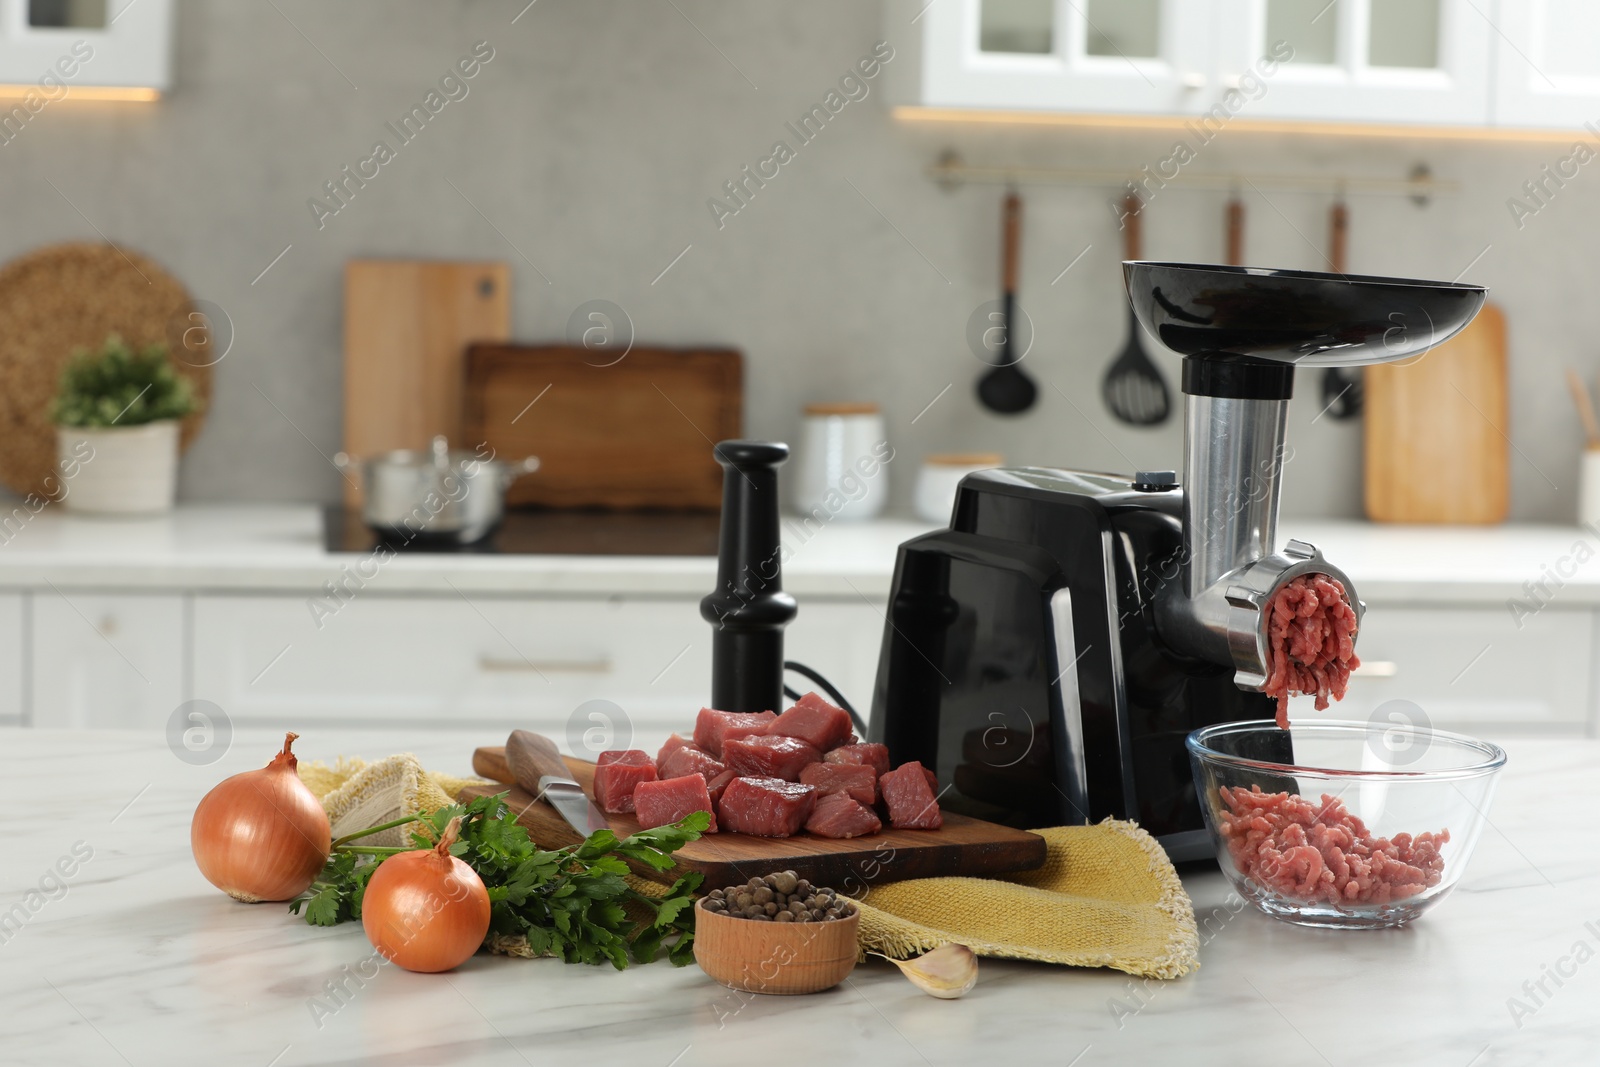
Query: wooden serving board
column 1436, row 431
column 964, row 846
column 618, row 432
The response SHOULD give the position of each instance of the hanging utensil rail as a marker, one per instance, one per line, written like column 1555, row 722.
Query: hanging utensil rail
column 952, row 172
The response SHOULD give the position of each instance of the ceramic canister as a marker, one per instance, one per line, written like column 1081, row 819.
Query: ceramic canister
column 841, row 471
column 940, row 475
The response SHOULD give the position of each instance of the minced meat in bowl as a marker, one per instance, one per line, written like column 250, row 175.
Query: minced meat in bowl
column 1343, row 824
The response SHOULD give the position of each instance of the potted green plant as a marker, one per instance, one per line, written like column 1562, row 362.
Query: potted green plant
column 117, row 416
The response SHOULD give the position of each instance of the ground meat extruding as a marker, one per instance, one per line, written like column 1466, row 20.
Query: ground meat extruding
column 1304, row 851
column 1311, row 632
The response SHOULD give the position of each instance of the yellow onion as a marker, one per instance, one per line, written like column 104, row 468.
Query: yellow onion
column 426, row 910
column 261, row 835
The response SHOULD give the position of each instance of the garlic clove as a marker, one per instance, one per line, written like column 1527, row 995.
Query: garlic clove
column 947, row 972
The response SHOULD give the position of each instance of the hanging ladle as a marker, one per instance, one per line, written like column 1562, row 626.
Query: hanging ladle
column 1006, row 389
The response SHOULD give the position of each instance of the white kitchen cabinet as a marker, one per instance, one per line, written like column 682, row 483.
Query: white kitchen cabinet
column 83, row 44
column 840, row 641
column 452, row 661
column 1427, row 62
column 1473, row 670
column 13, row 630
column 106, row 660
column 1547, row 66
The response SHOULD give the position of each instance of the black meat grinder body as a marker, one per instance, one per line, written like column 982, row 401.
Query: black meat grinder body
column 1022, row 662
column 1049, row 652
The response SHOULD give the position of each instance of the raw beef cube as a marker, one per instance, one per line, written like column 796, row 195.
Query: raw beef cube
column 910, row 799
column 858, row 782
column 719, row 783
column 690, row 760
column 769, row 757
column 933, row 780
column 615, row 782
column 765, row 807
column 868, row 755
column 674, row 743
column 838, row 816
column 667, row 801
column 713, row 727
column 628, row 755
column 814, row 721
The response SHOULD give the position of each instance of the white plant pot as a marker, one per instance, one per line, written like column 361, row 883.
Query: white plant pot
column 123, row 470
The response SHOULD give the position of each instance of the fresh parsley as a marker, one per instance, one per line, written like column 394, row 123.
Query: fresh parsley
column 571, row 902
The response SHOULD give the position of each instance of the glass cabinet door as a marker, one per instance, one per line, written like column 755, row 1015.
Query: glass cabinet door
column 1106, row 56
column 1415, row 62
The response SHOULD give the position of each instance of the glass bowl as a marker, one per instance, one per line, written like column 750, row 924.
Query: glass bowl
column 1342, row 824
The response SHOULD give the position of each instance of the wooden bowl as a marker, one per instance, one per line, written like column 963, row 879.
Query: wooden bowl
column 778, row 958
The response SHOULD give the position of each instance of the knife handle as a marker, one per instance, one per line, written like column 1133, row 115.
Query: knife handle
column 533, row 756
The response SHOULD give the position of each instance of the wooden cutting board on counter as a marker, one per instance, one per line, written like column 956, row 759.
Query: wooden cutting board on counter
column 630, row 431
column 1437, row 431
column 407, row 325
column 964, row 846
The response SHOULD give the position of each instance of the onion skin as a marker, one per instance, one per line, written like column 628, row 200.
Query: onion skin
column 261, row 835
column 426, row 910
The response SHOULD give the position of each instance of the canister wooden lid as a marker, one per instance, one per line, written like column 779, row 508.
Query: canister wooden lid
column 963, row 459
column 844, row 408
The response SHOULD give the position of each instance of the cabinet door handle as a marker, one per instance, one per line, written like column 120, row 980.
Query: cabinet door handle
column 1376, row 668
column 500, row 665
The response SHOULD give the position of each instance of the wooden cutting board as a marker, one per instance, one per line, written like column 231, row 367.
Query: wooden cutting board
column 964, row 846
column 407, row 325
column 629, row 432
column 1437, row 431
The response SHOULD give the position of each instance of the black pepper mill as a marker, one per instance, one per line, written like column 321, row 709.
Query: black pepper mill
column 749, row 609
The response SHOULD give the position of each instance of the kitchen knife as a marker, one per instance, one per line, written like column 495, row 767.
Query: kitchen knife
column 537, row 766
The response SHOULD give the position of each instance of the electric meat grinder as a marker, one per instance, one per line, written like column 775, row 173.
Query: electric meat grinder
column 1049, row 652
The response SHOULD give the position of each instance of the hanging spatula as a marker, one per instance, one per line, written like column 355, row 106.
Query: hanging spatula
column 1342, row 393
column 1133, row 387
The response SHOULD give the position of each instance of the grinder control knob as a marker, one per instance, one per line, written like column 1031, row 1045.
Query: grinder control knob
column 1155, row 481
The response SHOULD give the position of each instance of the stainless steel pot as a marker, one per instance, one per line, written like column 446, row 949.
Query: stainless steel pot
column 444, row 494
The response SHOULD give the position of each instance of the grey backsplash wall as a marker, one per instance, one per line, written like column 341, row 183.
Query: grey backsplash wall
column 592, row 142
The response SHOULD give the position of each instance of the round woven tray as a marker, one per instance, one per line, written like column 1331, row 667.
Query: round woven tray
column 60, row 298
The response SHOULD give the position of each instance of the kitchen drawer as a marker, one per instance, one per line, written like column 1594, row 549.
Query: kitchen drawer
column 436, row 661
column 105, row 660
column 1473, row 670
column 13, row 698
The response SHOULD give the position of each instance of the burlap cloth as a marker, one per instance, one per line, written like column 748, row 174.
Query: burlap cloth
column 357, row 794
column 1107, row 896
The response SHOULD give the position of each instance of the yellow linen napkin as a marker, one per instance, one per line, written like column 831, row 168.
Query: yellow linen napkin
column 1107, row 896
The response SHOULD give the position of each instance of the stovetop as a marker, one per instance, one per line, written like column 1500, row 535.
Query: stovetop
column 568, row 533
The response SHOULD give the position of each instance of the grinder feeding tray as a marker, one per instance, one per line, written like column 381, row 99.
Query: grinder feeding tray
column 1050, row 651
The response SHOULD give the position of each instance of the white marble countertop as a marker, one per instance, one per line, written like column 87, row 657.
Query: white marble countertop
column 140, row 961
column 280, row 547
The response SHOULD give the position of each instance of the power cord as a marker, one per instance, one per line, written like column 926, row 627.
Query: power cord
column 838, row 698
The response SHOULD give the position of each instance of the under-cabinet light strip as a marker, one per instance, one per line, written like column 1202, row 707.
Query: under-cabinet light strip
column 117, row 93
column 1307, row 128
